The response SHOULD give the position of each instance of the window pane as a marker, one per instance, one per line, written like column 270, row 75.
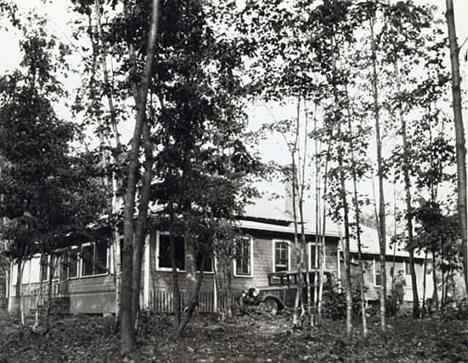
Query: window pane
column 73, row 263
column 407, row 268
column 208, row 267
column 44, row 269
column 100, row 259
column 281, row 256
column 378, row 277
column 87, row 260
column 165, row 252
column 243, row 257
column 313, row 256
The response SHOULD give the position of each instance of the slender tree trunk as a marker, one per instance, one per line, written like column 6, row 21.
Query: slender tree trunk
column 348, row 292
column 194, row 294
column 298, row 299
column 115, row 182
column 16, row 306
column 141, row 223
column 424, row 286
column 117, row 273
column 347, row 258
column 409, row 208
column 215, row 285
column 141, row 92
column 459, row 135
column 317, row 233
column 175, row 279
column 323, row 237
column 358, row 226
column 301, row 264
column 381, row 225
column 51, row 268
column 435, row 295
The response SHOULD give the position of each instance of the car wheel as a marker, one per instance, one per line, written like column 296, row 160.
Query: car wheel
column 270, row 306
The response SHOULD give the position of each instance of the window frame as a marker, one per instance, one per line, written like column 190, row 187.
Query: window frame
column 93, row 261
column 377, row 261
column 251, row 264
column 211, row 258
column 309, row 254
column 41, row 265
column 288, row 243
column 78, row 272
column 158, row 241
column 407, row 268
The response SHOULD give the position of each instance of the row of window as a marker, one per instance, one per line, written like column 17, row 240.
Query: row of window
column 243, row 259
column 88, row 260
column 93, row 259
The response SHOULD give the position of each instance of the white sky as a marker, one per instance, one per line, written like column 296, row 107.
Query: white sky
column 274, row 148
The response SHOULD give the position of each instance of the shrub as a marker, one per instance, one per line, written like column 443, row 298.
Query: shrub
column 334, row 304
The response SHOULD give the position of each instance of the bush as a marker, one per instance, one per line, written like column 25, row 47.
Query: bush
column 334, row 304
column 455, row 310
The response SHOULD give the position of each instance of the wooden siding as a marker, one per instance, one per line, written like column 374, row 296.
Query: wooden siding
column 96, row 294
column 373, row 290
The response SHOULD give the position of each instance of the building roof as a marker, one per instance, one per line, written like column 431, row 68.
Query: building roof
column 370, row 244
column 271, row 215
column 275, row 210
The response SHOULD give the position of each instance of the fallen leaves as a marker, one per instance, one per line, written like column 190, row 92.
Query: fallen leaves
column 246, row 339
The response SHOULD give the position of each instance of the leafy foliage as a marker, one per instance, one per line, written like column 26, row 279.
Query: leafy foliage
column 51, row 194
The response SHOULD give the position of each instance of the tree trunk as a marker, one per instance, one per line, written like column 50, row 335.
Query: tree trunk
column 51, row 268
column 175, row 279
column 15, row 307
column 323, row 237
column 140, row 93
column 117, row 273
column 435, row 295
column 358, row 226
column 459, row 135
column 348, row 291
column 194, row 293
column 298, row 300
column 424, row 286
column 141, row 223
column 381, row 221
column 318, row 238
column 115, row 183
column 409, row 208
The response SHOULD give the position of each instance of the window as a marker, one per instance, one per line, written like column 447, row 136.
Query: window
column 87, row 260
column 243, row 258
column 44, row 268
column 407, row 268
column 377, row 273
column 93, row 259
column 281, row 256
column 313, row 256
column 208, row 266
column 164, row 252
column 73, row 263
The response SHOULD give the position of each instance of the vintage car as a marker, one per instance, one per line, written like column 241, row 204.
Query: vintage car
column 281, row 290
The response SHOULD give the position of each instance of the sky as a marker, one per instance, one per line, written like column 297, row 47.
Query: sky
column 272, row 149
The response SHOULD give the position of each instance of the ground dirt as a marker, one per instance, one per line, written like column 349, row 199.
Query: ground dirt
column 248, row 338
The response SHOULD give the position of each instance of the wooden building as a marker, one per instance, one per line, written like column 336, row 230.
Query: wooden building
column 84, row 281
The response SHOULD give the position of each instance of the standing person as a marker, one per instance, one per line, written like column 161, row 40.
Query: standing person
column 399, row 283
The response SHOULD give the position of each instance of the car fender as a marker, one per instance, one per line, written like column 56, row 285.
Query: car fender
column 281, row 304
